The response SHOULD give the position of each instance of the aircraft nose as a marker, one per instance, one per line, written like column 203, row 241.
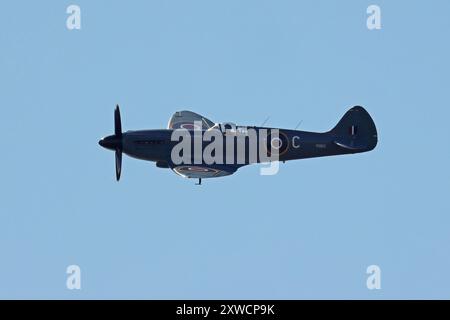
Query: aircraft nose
column 102, row 143
column 110, row 142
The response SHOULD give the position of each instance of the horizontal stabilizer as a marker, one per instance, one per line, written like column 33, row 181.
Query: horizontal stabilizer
column 350, row 144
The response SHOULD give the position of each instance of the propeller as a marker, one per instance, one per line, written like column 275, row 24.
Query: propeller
column 118, row 134
column 114, row 142
column 117, row 122
column 118, row 163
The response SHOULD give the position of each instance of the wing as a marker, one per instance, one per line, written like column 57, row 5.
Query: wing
column 202, row 171
column 185, row 120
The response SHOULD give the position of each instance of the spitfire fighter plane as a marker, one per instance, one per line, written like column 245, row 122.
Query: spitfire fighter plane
column 354, row 133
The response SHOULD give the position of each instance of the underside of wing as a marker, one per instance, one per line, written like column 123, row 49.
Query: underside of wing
column 201, row 171
column 189, row 120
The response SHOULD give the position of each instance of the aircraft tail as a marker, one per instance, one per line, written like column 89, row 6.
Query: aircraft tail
column 356, row 131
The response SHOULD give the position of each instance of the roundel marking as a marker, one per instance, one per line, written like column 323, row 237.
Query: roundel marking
column 280, row 143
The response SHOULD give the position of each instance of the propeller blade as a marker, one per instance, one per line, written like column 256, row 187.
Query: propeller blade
column 118, row 163
column 117, row 122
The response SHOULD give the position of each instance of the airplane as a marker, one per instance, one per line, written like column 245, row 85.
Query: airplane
column 354, row 133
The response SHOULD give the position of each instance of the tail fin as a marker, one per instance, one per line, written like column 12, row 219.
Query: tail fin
column 356, row 131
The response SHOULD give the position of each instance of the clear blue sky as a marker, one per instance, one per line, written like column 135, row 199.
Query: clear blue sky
column 308, row 232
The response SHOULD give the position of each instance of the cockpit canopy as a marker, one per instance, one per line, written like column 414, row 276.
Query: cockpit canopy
column 192, row 121
column 189, row 120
